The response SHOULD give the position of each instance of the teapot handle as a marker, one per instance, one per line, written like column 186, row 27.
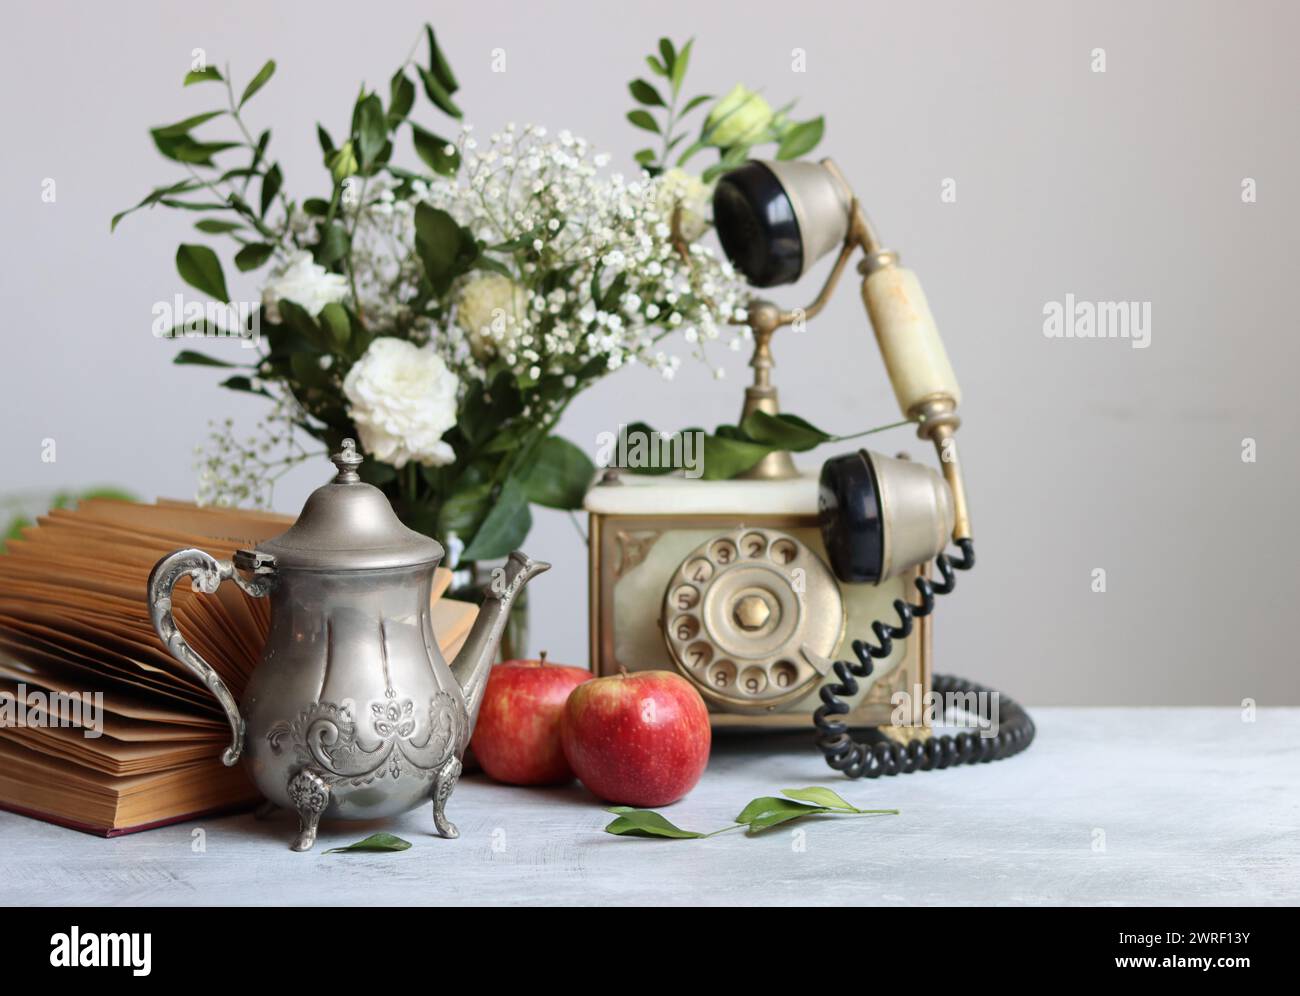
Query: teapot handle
column 207, row 573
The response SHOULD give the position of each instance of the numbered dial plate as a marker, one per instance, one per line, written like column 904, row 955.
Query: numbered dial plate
column 740, row 610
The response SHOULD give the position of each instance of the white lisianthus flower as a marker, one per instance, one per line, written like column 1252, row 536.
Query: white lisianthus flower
column 693, row 194
column 306, row 284
column 402, row 399
column 491, row 309
column 742, row 117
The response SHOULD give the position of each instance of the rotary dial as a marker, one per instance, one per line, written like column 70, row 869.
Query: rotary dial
column 746, row 614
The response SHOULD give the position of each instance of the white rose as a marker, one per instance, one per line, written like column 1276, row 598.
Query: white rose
column 306, row 284
column 491, row 309
column 693, row 194
column 402, row 399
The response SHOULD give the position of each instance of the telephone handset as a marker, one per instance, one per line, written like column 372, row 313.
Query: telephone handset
column 879, row 516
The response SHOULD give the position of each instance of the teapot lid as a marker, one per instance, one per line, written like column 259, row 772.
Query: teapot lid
column 350, row 525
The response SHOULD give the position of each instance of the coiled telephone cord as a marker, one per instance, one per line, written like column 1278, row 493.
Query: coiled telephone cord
column 882, row 756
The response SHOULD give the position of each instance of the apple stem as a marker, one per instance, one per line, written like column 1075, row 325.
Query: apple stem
column 622, row 670
column 541, row 658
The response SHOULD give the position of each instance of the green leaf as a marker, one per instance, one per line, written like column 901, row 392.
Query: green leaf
column 559, row 475
column 646, row 94
column 493, row 266
column 200, row 268
column 693, row 103
column 117, row 494
column 783, row 431
column 238, row 173
column 270, row 187
column 732, row 158
column 438, row 64
column 642, row 119
column 645, row 157
column 801, row 139
column 214, row 227
column 445, row 249
column 463, row 511
column 258, row 81
column 646, row 823
column 816, row 795
column 438, row 93
column 208, row 74
column 505, row 527
column 323, row 137
column 656, row 66
column 669, row 54
column 770, row 811
column 401, row 96
column 333, row 244
column 297, row 318
column 433, row 150
column 678, row 71
column 244, row 384
column 371, row 129
column 334, row 320
column 253, row 255
column 183, row 127
column 375, row 842
column 307, row 371
column 184, row 149
column 16, row 527
column 187, row 357
column 153, row 197
column 724, row 458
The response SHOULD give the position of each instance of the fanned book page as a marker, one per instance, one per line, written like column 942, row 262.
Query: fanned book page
column 78, row 654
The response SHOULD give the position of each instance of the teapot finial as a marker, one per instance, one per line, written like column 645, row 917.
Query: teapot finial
column 347, row 460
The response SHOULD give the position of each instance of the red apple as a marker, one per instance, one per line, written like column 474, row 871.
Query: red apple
column 517, row 737
column 637, row 739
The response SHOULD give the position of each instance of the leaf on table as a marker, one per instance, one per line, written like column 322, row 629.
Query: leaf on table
column 646, row 823
column 375, row 842
column 816, row 795
column 770, row 811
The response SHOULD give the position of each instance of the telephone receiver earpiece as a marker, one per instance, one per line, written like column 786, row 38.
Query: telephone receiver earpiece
column 881, row 516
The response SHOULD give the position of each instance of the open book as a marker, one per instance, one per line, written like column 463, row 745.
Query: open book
column 101, row 729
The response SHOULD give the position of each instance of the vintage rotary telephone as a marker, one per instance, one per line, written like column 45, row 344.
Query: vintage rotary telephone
column 879, row 516
column 754, row 589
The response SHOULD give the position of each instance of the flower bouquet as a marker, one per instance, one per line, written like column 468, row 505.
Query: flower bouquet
column 445, row 314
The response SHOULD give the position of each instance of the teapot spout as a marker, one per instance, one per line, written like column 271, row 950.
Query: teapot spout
column 471, row 666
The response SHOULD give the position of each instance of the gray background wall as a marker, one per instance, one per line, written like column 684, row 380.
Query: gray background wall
column 1123, row 185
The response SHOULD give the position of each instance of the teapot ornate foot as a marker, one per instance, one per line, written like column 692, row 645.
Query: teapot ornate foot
column 309, row 794
column 443, row 784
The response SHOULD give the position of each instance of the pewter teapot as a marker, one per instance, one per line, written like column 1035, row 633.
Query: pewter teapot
column 352, row 712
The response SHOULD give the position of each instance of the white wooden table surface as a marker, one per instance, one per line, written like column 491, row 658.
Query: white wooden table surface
column 1110, row 806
